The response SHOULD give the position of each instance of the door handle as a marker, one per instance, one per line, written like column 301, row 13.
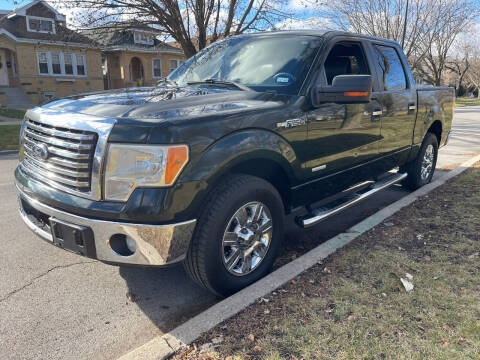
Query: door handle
column 412, row 107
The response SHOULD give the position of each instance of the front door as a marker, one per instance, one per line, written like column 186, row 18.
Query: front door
column 3, row 69
column 342, row 136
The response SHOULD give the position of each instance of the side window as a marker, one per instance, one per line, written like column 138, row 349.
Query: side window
column 391, row 68
column 345, row 58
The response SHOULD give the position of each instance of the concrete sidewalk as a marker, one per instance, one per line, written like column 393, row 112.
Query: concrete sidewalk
column 9, row 121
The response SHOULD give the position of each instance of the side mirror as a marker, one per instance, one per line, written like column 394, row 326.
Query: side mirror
column 346, row 89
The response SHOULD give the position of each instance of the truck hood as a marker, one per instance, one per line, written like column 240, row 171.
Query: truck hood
column 153, row 104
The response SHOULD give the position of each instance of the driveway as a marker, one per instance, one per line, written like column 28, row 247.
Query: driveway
column 57, row 305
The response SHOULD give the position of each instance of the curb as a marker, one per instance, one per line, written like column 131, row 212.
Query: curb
column 165, row 345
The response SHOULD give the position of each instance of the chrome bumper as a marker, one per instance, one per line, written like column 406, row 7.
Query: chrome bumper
column 156, row 244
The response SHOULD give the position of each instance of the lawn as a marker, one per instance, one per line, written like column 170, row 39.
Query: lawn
column 354, row 306
column 464, row 101
column 9, row 137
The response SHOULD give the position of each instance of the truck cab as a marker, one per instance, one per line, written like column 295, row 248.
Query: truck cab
column 202, row 168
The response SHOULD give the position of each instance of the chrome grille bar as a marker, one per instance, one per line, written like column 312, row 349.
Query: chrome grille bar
column 60, row 157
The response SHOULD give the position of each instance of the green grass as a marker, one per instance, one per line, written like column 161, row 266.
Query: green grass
column 9, row 137
column 12, row 113
column 463, row 101
column 353, row 305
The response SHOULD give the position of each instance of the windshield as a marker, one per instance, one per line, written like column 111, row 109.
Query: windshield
column 263, row 63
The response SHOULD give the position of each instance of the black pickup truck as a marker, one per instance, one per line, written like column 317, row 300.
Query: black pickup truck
column 203, row 167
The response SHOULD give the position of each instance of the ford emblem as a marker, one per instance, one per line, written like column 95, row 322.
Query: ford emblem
column 41, row 151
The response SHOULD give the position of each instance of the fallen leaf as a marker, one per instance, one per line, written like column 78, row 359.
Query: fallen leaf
column 251, row 337
column 132, row 297
column 444, row 342
column 384, row 295
column 446, row 327
column 401, row 249
column 311, row 281
column 293, row 281
column 406, row 284
column 352, row 317
column 327, row 270
column 409, row 276
column 427, row 258
column 266, row 311
column 474, row 255
column 217, row 340
column 257, row 348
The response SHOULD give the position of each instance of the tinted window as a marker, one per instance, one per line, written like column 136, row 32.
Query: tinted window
column 391, row 68
column 345, row 59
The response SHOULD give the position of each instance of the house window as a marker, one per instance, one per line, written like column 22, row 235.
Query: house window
column 38, row 24
column 141, row 37
column 43, row 62
column 157, row 68
column 67, row 58
column 56, row 65
column 80, row 64
column 174, row 64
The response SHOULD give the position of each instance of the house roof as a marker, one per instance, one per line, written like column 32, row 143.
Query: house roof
column 62, row 33
column 23, row 10
column 121, row 37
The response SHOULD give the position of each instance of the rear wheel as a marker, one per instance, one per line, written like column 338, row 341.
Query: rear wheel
column 237, row 236
column 421, row 169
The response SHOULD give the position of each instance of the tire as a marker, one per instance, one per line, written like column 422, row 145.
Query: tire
column 233, row 202
column 420, row 171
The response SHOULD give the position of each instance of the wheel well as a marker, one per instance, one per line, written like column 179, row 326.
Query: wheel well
column 436, row 129
column 269, row 171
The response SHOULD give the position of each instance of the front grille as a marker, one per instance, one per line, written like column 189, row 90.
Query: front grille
column 68, row 164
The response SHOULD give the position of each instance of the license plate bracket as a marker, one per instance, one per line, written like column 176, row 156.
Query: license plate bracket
column 75, row 238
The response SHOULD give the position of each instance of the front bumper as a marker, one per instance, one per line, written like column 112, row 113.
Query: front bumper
column 155, row 244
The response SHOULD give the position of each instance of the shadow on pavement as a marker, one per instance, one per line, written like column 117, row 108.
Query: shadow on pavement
column 166, row 295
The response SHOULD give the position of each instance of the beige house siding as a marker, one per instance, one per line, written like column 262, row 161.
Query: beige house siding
column 119, row 67
column 35, row 85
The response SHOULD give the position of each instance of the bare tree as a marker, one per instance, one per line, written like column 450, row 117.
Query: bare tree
column 192, row 23
column 460, row 64
column 431, row 26
column 452, row 18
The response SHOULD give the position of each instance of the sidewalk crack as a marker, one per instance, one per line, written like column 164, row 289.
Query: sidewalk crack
column 28, row 284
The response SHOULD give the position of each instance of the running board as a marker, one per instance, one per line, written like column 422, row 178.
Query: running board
column 326, row 211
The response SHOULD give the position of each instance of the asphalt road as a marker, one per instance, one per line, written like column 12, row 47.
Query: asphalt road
column 57, row 305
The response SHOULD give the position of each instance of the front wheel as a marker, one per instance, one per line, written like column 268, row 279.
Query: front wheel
column 237, row 236
column 420, row 170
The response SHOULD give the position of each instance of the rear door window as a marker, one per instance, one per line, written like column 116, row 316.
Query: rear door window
column 391, row 69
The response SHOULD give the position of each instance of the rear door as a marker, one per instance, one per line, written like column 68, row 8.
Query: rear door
column 342, row 136
column 398, row 102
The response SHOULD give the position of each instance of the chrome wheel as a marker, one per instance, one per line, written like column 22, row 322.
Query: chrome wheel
column 427, row 163
column 247, row 238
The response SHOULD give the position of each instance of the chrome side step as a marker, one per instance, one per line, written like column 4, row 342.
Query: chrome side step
column 324, row 212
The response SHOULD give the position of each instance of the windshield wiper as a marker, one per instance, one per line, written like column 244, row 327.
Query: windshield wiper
column 220, row 82
column 167, row 81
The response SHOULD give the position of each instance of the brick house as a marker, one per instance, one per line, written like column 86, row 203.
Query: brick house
column 133, row 56
column 40, row 58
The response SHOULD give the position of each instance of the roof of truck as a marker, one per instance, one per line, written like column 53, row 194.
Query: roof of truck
column 321, row 32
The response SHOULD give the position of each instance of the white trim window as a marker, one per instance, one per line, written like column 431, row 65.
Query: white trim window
column 174, row 63
column 142, row 37
column 157, row 68
column 41, row 25
column 81, row 67
column 68, row 61
column 57, row 63
column 43, row 68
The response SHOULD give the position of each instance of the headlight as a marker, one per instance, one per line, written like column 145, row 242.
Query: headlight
column 130, row 166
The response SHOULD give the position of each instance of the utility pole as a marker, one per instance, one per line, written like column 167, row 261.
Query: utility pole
column 405, row 25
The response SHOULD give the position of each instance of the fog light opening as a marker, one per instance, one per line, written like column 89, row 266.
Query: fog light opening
column 123, row 245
